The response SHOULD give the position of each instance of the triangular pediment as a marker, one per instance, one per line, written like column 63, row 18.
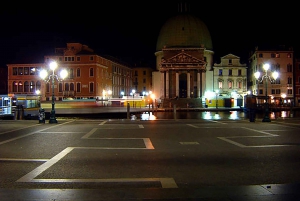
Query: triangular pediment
column 183, row 58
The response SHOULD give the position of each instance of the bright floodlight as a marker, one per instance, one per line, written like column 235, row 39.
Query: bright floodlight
column 53, row 65
column 63, row 73
column 257, row 74
column 43, row 74
column 275, row 75
column 266, row 66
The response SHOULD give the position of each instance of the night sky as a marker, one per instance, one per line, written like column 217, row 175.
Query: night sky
column 128, row 30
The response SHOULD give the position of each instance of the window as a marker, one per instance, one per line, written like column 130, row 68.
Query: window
column 144, row 80
column 230, row 84
column 220, row 83
column 78, row 72
column 69, row 59
column 278, row 91
column 26, row 71
column 91, row 87
column 273, row 91
column 239, row 72
column 70, row 73
column 289, row 91
column 91, row 72
column 273, row 55
column 20, row 87
column 135, row 73
column 20, row 71
column 240, row 84
column 220, row 72
column 67, row 87
column 60, row 87
column 261, row 91
column 77, row 58
column 32, row 86
column 260, row 55
column 15, row 70
column 15, row 87
column 289, row 80
column 144, row 72
column 289, row 68
column 26, row 86
column 47, row 87
column 230, row 61
column 276, row 67
column 91, row 58
column 230, row 72
column 289, row 55
column 33, row 70
column 78, row 87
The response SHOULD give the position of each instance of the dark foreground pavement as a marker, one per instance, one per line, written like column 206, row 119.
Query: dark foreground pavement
column 250, row 161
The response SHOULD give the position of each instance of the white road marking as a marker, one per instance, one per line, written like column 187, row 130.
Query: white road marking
column 22, row 136
column 22, row 159
column 266, row 134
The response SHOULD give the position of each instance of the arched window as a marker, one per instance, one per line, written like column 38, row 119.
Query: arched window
column 78, row 87
column 38, row 85
column 91, row 87
column 47, row 87
column 15, row 87
column 220, row 83
column 20, row 86
column 78, row 72
column 230, row 84
column 72, row 87
column 67, row 87
column 91, row 72
column 26, row 86
column 32, row 86
column 60, row 87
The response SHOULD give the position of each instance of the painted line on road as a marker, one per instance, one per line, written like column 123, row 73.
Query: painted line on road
column 104, row 122
column 227, row 139
column 23, row 160
column 26, row 135
column 30, row 177
column 19, row 129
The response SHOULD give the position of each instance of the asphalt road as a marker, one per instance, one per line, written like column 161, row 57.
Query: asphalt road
column 149, row 160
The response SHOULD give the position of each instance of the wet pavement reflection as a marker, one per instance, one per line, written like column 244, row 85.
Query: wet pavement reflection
column 213, row 115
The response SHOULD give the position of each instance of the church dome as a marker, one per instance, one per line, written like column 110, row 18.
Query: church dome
column 184, row 30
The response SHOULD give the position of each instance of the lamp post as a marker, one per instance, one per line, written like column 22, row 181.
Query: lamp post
column 43, row 74
column 267, row 77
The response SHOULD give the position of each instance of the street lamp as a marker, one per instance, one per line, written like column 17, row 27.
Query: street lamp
column 44, row 74
column 267, row 77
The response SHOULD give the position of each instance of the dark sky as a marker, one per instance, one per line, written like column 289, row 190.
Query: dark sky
column 128, row 30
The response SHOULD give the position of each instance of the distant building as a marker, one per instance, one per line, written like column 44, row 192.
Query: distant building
column 229, row 81
column 142, row 79
column 281, row 60
column 90, row 76
column 297, row 82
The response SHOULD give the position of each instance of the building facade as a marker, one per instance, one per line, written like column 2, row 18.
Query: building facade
column 184, row 57
column 142, row 79
column 90, row 76
column 279, row 91
column 297, row 82
column 229, row 82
